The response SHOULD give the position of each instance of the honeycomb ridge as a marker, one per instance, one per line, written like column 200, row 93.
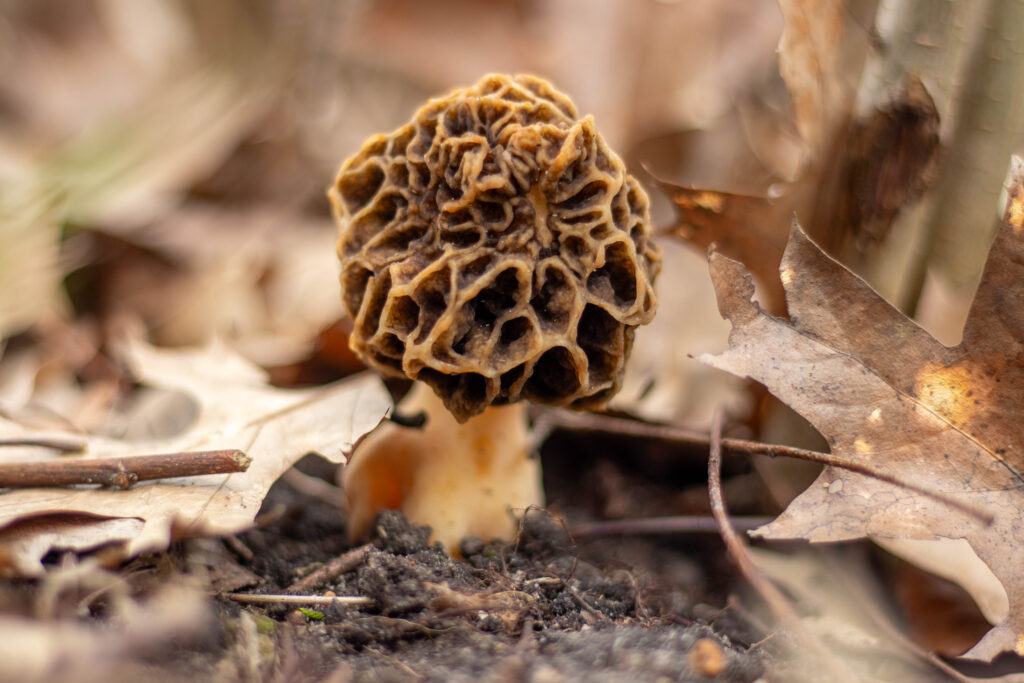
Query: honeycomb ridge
column 496, row 249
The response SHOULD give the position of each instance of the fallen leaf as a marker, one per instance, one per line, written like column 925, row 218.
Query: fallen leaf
column 817, row 56
column 843, row 601
column 858, row 172
column 109, row 122
column 35, row 650
column 891, row 156
column 235, row 408
column 262, row 278
column 889, row 396
column 743, row 227
column 939, row 615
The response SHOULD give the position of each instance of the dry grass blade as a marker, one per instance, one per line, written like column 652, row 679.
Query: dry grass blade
column 62, row 445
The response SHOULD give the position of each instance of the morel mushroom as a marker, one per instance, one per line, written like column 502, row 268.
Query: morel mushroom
column 495, row 249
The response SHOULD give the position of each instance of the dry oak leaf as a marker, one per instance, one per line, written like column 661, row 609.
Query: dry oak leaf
column 887, row 395
column 235, row 408
column 744, row 227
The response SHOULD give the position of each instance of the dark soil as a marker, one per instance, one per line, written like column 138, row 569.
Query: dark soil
column 547, row 607
column 529, row 611
column 542, row 608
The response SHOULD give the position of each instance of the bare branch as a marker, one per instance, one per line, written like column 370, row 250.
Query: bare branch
column 550, row 419
column 679, row 524
column 778, row 603
column 332, row 570
column 121, row 472
column 250, row 599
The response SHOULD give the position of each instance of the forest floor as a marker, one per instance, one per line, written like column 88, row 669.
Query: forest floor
column 549, row 606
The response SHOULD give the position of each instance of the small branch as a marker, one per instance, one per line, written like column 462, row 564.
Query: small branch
column 236, row 546
column 615, row 425
column 332, row 570
column 314, row 487
column 249, row 599
column 681, row 524
column 62, row 445
column 121, row 472
column 778, row 603
column 596, row 422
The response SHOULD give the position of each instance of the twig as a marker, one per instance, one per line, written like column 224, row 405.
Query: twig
column 600, row 616
column 596, row 422
column 679, row 524
column 332, row 570
column 122, row 472
column 543, row 581
column 251, row 599
column 62, row 445
column 615, row 425
column 314, row 487
column 238, row 548
column 778, row 603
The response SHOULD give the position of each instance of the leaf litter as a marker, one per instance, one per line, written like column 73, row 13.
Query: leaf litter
column 886, row 394
column 234, row 408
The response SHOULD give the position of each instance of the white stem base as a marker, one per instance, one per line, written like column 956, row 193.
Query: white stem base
column 459, row 479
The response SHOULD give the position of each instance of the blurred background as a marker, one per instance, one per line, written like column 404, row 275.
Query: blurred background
column 163, row 164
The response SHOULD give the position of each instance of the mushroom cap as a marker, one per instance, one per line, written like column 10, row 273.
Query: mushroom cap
column 496, row 249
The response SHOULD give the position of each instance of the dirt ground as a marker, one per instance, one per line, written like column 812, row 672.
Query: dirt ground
column 534, row 611
column 547, row 607
column 562, row 602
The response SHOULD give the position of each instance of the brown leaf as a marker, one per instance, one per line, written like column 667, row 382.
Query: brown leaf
column 939, row 614
column 820, row 59
column 744, row 227
column 233, row 407
column 35, row 650
column 888, row 395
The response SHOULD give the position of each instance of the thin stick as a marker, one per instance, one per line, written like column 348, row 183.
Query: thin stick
column 616, row 425
column 248, row 599
column 679, row 524
column 314, row 487
column 122, row 472
column 778, row 603
column 62, row 445
column 332, row 570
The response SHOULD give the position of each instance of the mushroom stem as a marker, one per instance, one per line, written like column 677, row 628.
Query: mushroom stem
column 468, row 479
